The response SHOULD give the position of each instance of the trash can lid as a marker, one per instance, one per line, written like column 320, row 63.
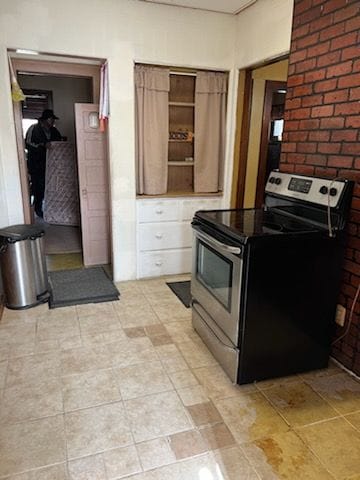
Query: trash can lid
column 15, row 233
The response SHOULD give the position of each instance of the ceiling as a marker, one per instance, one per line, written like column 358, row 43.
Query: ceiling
column 224, row 6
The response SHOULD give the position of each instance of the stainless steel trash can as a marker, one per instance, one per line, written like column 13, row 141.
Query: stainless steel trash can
column 23, row 266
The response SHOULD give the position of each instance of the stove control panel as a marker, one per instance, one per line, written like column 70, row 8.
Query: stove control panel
column 311, row 189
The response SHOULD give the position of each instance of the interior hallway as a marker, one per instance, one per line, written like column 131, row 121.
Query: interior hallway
column 128, row 390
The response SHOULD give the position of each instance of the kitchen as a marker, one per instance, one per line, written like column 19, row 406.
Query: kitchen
column 231, row 44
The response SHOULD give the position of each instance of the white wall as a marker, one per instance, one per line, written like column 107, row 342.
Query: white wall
column 263, row 32
column 123, row 31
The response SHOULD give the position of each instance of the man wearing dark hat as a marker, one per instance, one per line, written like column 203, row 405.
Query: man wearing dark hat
column 37, row 141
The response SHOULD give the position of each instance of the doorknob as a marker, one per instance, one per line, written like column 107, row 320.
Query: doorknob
column 84, row 192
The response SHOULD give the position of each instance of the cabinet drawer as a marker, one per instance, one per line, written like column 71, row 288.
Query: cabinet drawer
column 171, row 262
column 160, row 236
column 157, row 211
column 189, row 207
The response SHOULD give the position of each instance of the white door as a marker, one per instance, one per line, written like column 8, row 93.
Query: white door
column 93, row 185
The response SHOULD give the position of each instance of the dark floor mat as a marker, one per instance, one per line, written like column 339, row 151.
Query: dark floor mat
column 182, row 291
column 83, row 285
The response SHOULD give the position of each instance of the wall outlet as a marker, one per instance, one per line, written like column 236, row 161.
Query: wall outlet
column 340, row 315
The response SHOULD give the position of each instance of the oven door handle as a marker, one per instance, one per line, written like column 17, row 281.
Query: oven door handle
column 216, row 244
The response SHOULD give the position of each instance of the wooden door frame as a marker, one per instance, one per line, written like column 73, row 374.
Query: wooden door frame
column 241, row 152
column 46, row 67
column 271, row 86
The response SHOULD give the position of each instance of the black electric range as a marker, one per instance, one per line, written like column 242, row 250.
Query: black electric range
column 265, row 281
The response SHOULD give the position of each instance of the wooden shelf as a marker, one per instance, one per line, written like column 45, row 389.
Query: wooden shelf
column 181, row 104
column 173, row 140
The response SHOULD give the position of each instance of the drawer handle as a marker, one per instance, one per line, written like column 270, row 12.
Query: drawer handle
column 158, row 235
column 158, row 263
column 159, row 211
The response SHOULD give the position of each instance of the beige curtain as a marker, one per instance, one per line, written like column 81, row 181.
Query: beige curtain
column 210, row 117
column 152, row 128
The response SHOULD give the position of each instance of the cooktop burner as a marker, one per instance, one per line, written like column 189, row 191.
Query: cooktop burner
column 253, row 222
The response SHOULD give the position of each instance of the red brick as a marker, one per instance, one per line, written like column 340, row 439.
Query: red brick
column 352, row 267
column 287, row 167
column 340, row 161
column 324, row 111
column 332, row 31
column 308, row 16
column 319, row 136
column 328, row 59
column 308, row 40
column 296, row 158
column 350, row 108
column 288, row 147
column 332, row 122
column 354, row 94
column 325, row 86
column 356, row 66
column 304, row 169
column 350, row 148
column 326, row 172
column 347, row 12
column 302, row 6
column 352, row 24
column 316, row 159
column 306, row 147
column 357, row 164
column 353, row 122
column 318, row 49
column 294, row 80
column 302, row 90
column 315, row 76
column 349, row 81
column 336, row 97
column 320, row 23
column 329, row 147
column 311, row 100
column 297, row 56
column 300, row 113
column 331, row 5
column 300, row 31
column 294, row 103
column 356, row 205
column 306, row 65
column 291, row 70
column 291, row 125
column 344, row 41
column 297, row 136
column 350, row 52
column 309, row 124
column 343, row 135
column 339, row 70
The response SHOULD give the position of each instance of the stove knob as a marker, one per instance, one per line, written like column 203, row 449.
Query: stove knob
column 272, row 179
column 333, row 191
column 323, row 190
column 278, row 181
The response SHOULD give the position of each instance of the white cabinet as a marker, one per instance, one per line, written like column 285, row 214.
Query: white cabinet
column 164, row 234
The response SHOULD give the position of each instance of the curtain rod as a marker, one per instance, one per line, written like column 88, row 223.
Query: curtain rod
column 189, row 74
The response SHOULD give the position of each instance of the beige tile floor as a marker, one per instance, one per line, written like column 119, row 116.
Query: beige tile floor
column 128, row 390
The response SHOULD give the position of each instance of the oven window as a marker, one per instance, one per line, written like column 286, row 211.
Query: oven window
column 215, row 272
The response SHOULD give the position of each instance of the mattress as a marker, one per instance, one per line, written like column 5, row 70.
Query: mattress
column 61, row 199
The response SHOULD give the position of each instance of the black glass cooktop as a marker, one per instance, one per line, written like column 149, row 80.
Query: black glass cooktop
column 253, row 222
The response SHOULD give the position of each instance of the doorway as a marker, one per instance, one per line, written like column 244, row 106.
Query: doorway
column 60, row 86
column 61, row 209
column 261, row 95
column 271, row 135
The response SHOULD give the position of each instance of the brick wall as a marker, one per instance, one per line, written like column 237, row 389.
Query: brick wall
column 322, row 123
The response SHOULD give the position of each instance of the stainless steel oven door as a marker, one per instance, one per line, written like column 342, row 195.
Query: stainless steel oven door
column 216, row 281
